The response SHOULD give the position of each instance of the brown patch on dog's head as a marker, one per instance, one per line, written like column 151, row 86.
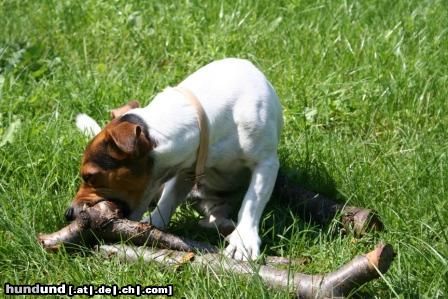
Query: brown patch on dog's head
column 116, row 165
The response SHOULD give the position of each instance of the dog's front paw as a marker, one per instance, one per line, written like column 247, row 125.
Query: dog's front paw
column 244, row 244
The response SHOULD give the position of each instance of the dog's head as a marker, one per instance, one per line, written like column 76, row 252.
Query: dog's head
column 116, row 166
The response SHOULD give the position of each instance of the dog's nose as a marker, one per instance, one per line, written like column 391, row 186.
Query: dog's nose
column 69, row 214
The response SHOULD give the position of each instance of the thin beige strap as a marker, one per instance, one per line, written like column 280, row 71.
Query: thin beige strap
column 201, row 158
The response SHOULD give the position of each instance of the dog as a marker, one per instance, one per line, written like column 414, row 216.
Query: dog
column 144, row 150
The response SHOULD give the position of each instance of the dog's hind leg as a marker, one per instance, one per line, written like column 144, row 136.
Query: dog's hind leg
column 216, row 213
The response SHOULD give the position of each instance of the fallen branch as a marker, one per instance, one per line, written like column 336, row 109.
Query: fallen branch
column 339, row 283
column 320, row 209
column 104, row 221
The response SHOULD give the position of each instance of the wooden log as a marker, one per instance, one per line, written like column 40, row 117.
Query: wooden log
column 321, row 209
column 104, row 221
column 339, row 283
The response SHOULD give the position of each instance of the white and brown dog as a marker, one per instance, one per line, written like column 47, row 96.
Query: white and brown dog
column 145, row 149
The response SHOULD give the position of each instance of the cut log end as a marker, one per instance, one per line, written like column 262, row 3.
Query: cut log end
column 48, row 243
column 381, row 257
column 79, row 231
column 70, row 234
column 360, row 220
column 355, row 273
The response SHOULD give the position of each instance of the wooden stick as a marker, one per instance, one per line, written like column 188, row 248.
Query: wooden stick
column 320, row 209
column 339, row 283
column 104, row 221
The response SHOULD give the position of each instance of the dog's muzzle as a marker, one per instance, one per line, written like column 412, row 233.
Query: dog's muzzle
column 72, row 212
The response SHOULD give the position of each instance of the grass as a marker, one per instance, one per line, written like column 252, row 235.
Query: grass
column 363, row 85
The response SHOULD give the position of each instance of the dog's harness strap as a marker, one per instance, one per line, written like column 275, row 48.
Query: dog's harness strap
column 203, row 132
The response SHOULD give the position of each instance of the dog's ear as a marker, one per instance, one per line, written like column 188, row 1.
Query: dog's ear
column 117, row 112
column 130, row 139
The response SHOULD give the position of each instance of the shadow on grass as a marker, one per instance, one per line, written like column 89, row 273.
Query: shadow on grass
column 280, row 213
column 287, row 205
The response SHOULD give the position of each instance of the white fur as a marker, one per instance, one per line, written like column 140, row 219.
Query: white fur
column 245, row 122
column 87, row 125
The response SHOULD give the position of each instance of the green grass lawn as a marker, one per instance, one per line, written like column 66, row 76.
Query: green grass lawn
column 364, row 87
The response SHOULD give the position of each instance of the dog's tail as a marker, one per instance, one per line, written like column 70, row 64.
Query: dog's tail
column 87, row 125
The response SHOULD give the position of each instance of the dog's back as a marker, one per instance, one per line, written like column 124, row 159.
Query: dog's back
column 241, row 105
